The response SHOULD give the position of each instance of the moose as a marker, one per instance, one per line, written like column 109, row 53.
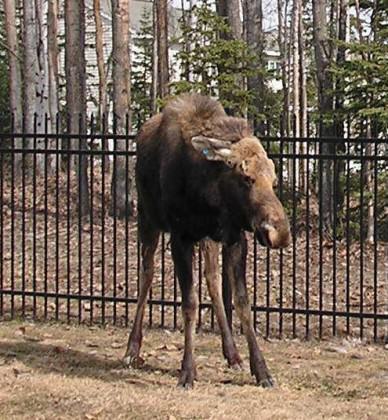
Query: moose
column 203, row 176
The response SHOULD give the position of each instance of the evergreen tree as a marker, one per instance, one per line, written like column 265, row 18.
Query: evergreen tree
column 363, row 78
column 142, row 71
column 215, row 63
column 5, row 112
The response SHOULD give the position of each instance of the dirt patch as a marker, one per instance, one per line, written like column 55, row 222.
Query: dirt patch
column 58, row 371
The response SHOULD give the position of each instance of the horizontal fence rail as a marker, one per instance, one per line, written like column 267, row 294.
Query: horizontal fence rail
column 69, row 250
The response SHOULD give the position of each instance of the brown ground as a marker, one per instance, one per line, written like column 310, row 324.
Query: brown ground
column 57, row 371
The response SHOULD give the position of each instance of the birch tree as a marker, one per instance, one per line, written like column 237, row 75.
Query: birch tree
column 53, row 56
column 15, row 82
column 102, row 85
column 121, row 205
column 29, row 66
column 42, row 83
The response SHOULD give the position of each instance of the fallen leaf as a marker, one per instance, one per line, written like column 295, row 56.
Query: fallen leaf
column 91, row 344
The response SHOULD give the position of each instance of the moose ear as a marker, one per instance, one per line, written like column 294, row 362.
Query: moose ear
column 212, row 149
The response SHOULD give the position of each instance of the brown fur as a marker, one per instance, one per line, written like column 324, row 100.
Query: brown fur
column 217, row 189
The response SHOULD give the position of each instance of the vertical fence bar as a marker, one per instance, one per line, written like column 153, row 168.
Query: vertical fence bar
column 348, row 239
column 126, row 251
column 104, row 127
column 226, row 292
column 375, row 238
column 200, row 279
column 68, row 223
column 334, row 261
column 45, row 239
column 12, row 220
column 320, row 239
column 150, row 305
column 162, row 280
column 23, row 168
column 268, row 263
column 281, row 260
column 57, row 216
column 34, row 181
column 268, row 293
column 80, row 210
column 307, row 273
column 294, row 236
column 91, row 222
column 361, row 232
column 114, row 215
column 255, row 283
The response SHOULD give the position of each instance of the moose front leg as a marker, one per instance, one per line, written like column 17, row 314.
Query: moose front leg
column 236, row 269
column 182, row 253
column 210, row 250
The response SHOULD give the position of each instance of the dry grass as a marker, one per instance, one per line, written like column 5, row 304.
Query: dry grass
column 57, row 371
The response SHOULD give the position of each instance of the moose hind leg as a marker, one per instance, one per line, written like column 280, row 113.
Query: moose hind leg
column 210, row 251
column 182, row 253
column 236, row 266
column 149, row 242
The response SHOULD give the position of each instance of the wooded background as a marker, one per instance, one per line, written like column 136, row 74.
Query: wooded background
column 321, row 68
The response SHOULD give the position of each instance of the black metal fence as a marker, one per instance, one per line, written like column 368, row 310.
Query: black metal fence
column 56, row 263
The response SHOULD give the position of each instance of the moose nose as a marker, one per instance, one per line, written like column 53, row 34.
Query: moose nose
column 276, row 237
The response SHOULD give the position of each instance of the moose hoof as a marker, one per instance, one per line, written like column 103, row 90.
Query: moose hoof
column 235, row 363
column 266, row 383
column 135, row 362
column 186, row 378
column 237, row 366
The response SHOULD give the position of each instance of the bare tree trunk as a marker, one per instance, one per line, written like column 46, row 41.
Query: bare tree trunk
column 253, row 19
column 15, row 80
column 282, row 30
column 369, row 186
column 295, row 69
column 368, row 178
column 29, row 66
column 154, row 85
column 323, row 57
column 302, row 98
column 102, row 86
column 76, row 91
column 162, row 37
column 296, row 86
column 42, row 97
column 53, row 55
column 339, row 98
column 121, row 204
column 230, row 9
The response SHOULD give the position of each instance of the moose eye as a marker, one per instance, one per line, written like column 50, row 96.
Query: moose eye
column 248, row 180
